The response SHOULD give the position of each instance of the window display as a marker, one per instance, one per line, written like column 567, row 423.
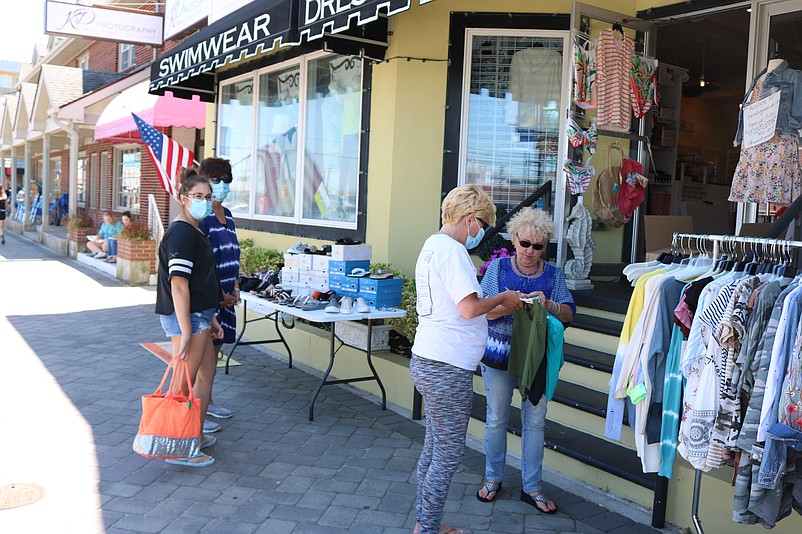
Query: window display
column 512, row 103
column 308, row 123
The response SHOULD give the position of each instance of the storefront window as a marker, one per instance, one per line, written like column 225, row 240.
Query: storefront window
column 331, row 162
column 511, row 116
column 80, row 182
column 305, row 166
column 127, row 178
column 236, row 140
column 277, row 144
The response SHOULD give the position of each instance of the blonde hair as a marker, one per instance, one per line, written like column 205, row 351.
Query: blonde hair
column 465, row 200
column 531, row 220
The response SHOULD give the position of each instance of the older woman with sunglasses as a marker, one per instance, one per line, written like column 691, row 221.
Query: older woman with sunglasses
column 527, row 272
column 218, row 226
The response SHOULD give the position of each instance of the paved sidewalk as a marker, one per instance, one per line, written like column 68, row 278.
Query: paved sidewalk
column 72, row 376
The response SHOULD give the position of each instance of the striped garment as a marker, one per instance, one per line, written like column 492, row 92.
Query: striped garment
column 613, row 71
column 225, row 247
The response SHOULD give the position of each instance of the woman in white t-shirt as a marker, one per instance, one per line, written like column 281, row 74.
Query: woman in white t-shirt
column 449, row 343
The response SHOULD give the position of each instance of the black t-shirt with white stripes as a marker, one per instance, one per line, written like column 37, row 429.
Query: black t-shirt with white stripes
column 186, row 252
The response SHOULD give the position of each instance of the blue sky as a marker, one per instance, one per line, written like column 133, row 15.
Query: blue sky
column 23, row 31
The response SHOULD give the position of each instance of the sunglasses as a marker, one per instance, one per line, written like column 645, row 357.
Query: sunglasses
column 226, row 179
column 527, row 244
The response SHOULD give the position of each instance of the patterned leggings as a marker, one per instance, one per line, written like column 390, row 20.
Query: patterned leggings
column 447, row 395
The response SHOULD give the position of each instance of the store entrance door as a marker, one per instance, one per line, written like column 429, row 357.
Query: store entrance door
column 620, row 132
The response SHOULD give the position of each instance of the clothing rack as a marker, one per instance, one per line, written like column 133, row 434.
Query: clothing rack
column 717, row 241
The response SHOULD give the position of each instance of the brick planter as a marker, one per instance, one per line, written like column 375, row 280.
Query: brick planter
column 136, row 260
column 76, row 239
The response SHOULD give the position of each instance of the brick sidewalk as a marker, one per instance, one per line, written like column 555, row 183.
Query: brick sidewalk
column 73, row 375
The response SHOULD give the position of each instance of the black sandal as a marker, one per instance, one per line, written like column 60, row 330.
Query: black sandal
column 489, row 485
column 541, row 498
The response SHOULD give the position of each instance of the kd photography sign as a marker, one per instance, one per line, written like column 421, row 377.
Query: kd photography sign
column 108, row 24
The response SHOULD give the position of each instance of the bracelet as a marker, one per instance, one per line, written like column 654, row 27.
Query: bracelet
column 555, row 309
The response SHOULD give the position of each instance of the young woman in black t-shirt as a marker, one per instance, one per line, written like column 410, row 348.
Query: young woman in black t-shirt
column 188, row 292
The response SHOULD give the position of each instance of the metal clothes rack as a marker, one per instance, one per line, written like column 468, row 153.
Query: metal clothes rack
column 718, row 241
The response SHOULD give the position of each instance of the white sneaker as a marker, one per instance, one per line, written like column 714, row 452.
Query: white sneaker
column 101, row 255
column 333, row 306
column 218, row 411
column 361, row 306
column 345, row 305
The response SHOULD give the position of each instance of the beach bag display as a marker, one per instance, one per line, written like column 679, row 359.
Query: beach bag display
column 605, row 193
column 632, row 192
column 170, row 427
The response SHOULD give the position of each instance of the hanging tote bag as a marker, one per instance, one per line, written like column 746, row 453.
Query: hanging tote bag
column 605, row 192
column 170, row 427
column 633, row 187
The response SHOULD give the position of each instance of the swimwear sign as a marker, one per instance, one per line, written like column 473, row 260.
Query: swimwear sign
column 107, row 24
column 227, row 42
column 760, row 120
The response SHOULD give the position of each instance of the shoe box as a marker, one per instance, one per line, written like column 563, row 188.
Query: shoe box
column 351, row 253
column 381, row 293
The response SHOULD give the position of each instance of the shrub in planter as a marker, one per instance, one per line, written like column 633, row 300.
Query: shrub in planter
column 254, row 258
column 136, row 231
column 81, row 221
column 136, row 253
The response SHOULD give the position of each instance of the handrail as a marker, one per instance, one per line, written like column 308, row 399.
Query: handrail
column 785, row 219
column 155, row 224
column 542, row 191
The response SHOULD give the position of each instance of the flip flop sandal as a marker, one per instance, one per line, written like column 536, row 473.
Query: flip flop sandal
column 381, row 274
column 312, row 305
column 207, row 441
column 541, row 498
column 200, row 460
column 490, row 486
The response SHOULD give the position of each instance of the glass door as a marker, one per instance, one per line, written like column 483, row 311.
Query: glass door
column 617, row 125
column 775, row 34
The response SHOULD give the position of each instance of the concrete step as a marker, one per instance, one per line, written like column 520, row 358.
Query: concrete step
column 99, row 265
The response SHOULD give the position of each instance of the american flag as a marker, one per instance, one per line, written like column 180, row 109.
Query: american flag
column 168, row 156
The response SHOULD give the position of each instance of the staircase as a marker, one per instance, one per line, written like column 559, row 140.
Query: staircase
column 575, row 441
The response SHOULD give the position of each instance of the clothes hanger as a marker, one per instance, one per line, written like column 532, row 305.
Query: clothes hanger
column 618, row 28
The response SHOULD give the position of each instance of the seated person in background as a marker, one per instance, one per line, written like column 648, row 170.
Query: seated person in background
column 110, row 228
column 110, row 246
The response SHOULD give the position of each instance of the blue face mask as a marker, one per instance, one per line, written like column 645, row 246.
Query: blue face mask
column 220, row 191
column 200, row 209
column 473, row 242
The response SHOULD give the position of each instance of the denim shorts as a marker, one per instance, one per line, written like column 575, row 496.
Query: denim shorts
column 200, row 322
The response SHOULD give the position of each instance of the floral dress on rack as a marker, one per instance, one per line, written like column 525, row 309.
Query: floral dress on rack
column 768, row 172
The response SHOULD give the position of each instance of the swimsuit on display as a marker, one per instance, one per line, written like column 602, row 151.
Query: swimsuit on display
column 643, row 83
column 584, row 85
column 578, row 137
column 578, row 175
column 768, row 172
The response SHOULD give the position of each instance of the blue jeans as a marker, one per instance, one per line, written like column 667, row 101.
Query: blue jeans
column 499, row 386
column 778, row 439
column 112, row 244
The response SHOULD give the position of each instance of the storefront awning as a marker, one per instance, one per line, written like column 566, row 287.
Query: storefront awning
column 165, row 110
column 189, row 68
column 266, row 25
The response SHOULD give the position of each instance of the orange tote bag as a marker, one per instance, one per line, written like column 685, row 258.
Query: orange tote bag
column 170, row 427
